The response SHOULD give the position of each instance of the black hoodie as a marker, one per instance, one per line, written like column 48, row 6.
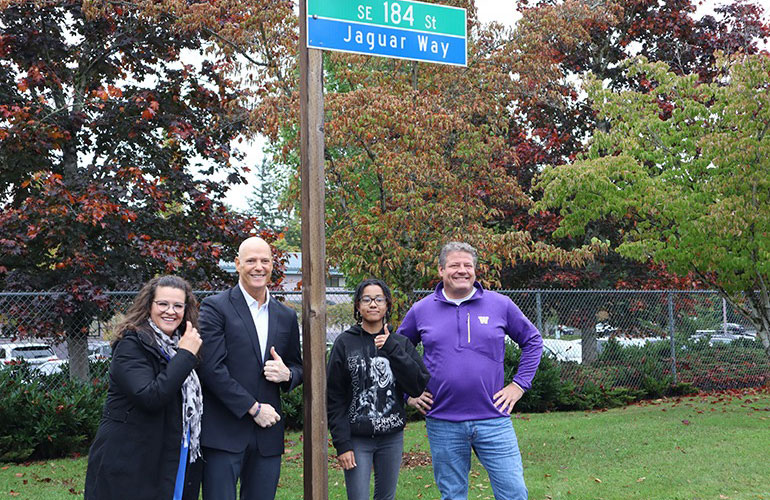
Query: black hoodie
column 366, row 385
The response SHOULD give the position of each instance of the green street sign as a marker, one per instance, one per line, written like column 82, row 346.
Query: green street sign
column 403, row 14
column 400, row 29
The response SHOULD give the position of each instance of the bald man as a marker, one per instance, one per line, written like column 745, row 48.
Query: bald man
column 250, row 352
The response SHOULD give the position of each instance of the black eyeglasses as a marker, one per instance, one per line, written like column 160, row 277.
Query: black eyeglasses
column 164, row 306
column 366, row 300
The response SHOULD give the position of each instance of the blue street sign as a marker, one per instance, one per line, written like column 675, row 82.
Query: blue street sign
column 402, row 29
column 359, row 38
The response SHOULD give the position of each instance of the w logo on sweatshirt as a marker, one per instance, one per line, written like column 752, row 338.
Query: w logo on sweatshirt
column 483, row 320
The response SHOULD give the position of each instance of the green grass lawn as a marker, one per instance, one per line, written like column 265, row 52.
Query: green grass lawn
column 705, row 447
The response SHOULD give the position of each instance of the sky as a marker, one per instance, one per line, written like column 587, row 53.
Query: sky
column 502, row 11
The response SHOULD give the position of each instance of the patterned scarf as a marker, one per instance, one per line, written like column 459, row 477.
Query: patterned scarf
column 192, row 397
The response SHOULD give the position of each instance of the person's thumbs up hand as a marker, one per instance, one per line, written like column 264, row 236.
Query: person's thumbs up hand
column 380, row 339
column 191, row 340
column 275, row 370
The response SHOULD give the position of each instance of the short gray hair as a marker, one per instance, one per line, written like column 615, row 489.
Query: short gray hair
column 456, row 246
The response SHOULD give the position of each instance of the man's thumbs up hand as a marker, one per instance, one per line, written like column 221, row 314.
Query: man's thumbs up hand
column 275, row 370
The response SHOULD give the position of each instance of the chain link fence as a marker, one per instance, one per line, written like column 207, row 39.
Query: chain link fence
column 607, row 338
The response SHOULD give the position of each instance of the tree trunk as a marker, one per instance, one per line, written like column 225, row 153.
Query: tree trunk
column 764, row 336
column 77, row 346
column 588, row 343
column 759, row 314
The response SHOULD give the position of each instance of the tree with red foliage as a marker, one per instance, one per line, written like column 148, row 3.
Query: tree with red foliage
column 108, row 143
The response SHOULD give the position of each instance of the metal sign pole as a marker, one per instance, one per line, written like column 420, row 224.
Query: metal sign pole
column 313, row 266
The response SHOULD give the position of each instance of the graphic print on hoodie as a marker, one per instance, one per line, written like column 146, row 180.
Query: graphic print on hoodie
column 374, row 395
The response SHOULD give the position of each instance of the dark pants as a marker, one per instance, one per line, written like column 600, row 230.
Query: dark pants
column 384, row 454
column 192, row 480
column 258, row 474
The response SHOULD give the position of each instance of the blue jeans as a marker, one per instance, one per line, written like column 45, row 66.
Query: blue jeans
column 382, row 452
column 495, row 444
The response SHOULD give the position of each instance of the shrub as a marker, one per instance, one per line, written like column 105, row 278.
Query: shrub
column 46, row 417
column 548, row 390
column 292, row 404
column 655, row 383
column 571, row 386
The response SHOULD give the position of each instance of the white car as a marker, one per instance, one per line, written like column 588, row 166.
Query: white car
column 605, row 328
column 99, row 350
column 564, row 350
column 557, row 331
column 32, row 353
column 50, row 367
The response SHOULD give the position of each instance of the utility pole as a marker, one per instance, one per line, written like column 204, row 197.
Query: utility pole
column 313, row 266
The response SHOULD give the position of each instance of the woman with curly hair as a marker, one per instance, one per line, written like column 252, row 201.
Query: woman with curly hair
column 149, row 435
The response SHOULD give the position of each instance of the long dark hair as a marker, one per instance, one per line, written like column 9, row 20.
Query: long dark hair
column 136, row 317
column 360, row 291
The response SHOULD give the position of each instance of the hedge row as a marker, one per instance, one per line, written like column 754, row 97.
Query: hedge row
column 50, row 416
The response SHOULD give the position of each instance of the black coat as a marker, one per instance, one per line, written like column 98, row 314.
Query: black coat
column 232, row 371
column 136, row 450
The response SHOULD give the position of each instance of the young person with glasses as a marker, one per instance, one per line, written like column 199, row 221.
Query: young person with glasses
column 368, row 373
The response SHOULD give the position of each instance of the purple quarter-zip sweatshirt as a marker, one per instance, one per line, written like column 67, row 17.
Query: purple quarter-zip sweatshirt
column 464, row 349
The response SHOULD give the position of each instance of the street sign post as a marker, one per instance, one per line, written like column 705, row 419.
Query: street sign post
column 400, row 29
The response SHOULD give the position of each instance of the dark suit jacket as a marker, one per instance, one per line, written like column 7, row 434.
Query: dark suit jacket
column 232, row 371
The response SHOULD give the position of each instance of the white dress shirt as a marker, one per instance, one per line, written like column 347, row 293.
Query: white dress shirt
column 260, row 316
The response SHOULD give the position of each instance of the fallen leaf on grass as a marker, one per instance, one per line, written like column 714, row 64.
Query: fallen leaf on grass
column 597, row 480
column 641, row 479
column 19, row 474
column 686, row 422
column 723, row 497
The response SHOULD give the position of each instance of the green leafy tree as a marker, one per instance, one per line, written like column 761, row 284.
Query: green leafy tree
column 268, row 204
column 556, row 44
column 265, row 197
column 688, row 165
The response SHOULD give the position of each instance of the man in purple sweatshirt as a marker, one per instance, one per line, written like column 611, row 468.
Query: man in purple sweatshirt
column 462, row 328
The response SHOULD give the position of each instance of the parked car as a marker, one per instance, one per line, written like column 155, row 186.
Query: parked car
column 557, row 331
column 605, row 328
column 31, row 352
column 738, row 331
column 99, row 350
column 563, row 350
column 725, row 333
column 51, row 367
